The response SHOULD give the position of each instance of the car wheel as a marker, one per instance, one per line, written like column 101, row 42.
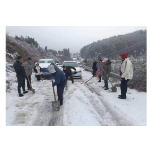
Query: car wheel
column 42, row 78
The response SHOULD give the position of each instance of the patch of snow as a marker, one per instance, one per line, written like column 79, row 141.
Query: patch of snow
column 12, row 55
column 131, row 111
column 84, row 105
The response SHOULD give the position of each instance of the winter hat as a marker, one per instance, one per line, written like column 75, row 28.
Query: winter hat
column 105, row 59
column 51, row 69
column 29, row 58
column 124, row 55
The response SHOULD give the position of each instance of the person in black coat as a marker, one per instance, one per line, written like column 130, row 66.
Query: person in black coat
column 68, row 72
column 20, row 74
column 37, row 70
column 94, row 67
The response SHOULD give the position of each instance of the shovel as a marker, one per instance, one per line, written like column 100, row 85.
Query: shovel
column 33, row 90
column 55, row 104
column 114, row 88
column 89, row 80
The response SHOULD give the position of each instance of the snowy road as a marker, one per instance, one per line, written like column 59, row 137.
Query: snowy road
column 84, row 105
column 83, row 108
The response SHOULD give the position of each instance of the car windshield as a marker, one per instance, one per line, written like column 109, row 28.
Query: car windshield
column 42, row 61
column 50, row 61
column 46, row 61
column 72, row 64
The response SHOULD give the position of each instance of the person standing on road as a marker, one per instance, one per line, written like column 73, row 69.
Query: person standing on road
column 28, row 67
column 60, row 80
column 100, row 69
column 106, row 72
column 94, row 67
column 126, row 74
column 20, row 74
column 37, row 70
column 98, row 63
column 68, row 72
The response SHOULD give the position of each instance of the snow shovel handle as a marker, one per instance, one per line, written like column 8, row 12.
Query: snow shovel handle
column 53, row 90
column 88, row 80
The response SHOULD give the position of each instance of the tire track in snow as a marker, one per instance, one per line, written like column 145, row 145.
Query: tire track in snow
column 91, row 103
column 108, row 118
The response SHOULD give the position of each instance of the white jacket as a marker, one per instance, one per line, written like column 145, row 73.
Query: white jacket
column 127, row 69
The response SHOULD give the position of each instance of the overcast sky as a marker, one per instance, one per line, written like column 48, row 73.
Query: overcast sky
column 72, row 37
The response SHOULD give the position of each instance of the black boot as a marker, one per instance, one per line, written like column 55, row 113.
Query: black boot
column 106, row 88
column 121, row 97
column 20, row 95
column 99, row 81
column 25, row 92
column 60, row 102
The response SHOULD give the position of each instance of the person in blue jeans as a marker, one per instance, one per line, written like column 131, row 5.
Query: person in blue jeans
column 60, row 80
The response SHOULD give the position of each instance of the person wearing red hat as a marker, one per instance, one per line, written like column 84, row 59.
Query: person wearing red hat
column 126, row 74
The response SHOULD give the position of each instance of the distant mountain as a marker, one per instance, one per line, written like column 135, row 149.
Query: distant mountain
column 114, row 46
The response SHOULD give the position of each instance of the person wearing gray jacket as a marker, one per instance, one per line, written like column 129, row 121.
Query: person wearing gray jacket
column 28, row 67
column 106, row 72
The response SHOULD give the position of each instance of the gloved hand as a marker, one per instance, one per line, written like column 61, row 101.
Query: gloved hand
column 121, row 74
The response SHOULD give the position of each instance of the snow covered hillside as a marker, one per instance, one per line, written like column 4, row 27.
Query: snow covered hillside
column 16, row 47
column 84, row 105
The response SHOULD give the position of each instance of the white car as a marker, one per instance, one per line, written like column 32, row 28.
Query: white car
column 77, row 73
column 44, row 63
column 60, row 66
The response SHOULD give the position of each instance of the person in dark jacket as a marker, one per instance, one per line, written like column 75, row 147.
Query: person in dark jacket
column 20, row 74
column 94, row 67
column 28, row 67
column 37, row 70
column 68, row 72
column 60, row 80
